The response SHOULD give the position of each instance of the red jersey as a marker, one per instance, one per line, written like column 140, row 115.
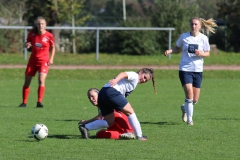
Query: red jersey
column 41, row 44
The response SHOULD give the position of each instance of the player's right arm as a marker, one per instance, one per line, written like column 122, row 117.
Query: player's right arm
column 173, row 50
column 28, row 44
column 99, row 116
column 120, row 76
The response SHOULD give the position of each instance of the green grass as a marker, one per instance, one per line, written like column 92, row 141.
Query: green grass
column 222, row 58
column 215, row 134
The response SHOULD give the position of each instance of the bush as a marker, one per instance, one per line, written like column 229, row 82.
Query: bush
column 128, row 41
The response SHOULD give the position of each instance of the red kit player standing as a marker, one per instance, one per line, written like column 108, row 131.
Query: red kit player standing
column 41, row 42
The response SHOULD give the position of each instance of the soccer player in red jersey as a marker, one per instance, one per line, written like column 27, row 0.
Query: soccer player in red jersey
column 121, row 129
column 41, row 43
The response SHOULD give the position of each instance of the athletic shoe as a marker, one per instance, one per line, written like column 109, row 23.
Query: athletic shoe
column 143, row 138
column 190, row 123
column 127, row 135
column 23, row 105
column 39, row 105
column 84, row 131
column 184, row 114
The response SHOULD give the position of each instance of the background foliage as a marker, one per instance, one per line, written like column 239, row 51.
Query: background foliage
column 139, row 13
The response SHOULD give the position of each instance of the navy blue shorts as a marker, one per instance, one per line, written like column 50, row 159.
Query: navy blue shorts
column 109, row 99
column 195, row 78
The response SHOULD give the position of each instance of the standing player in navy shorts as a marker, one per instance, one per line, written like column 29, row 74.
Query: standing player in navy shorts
column 195, row 47
column 41, row 43
column 113, row 95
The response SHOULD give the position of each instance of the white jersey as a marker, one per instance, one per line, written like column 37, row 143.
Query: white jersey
column 126, row 86
column 189, row 61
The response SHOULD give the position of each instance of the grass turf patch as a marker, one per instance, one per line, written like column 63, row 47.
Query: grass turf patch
column 213, row 136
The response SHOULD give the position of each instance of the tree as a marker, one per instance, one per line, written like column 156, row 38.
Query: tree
column 208, row 8
column 56, row 12
column 229, row 12
column 11, row 14
column 172, row 13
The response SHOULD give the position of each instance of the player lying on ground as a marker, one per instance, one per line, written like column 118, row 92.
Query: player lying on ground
column 120, row 129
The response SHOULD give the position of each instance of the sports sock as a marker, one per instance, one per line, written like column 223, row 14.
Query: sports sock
column 25, row 93
column 98, row 124
column 189, row 109
column 107, row 134
column 195, row 102
column 41, row 90
column 135, row 124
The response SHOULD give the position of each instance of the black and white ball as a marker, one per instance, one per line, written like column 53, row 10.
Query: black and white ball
column 39, row 131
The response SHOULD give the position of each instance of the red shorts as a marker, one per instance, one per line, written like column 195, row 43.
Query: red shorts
column 32, row 69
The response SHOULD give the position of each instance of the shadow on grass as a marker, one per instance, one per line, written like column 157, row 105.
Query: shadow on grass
column 68, row 120
column 64, row 136
column 31, row 139
column 69, row 136
column 161, row 123
column 226, row 119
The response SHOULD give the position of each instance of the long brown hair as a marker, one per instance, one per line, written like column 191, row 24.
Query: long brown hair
column 150, row 72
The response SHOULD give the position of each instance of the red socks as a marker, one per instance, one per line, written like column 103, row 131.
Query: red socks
column 25, row 93
column 107, row 134
column 41, row 90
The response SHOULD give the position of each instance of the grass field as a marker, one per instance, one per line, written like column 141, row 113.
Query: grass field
column 222, row 58
column 215, row 134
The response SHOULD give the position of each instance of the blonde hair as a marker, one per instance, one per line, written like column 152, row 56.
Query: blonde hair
column 209, row 24
column 35, row 28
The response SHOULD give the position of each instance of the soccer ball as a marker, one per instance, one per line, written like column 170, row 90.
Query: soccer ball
column 39, row 131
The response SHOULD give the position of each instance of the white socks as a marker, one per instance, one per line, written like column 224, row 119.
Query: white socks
column 98, row 124
column 189, row 109
column 135, row 124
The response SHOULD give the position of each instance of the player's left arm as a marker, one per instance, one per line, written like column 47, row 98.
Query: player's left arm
column 52, row 54
column 202, row 53
column 120, row 76
column 206, row 49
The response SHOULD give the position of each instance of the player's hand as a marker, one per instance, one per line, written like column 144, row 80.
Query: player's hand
column 50, row 62
column 197, row 52
column 28, row 45
column 81, row 122
column 112, row 82
column 167, row 52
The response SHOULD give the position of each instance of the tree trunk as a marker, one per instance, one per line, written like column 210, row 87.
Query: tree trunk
column 56, row 34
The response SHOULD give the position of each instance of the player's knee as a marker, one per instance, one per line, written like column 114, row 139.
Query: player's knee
column 41, row 82
column 110, row 123
column 110, row 120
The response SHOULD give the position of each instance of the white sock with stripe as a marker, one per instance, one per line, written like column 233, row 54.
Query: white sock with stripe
column 135, row 124
column 189, row 109
column 98, row 124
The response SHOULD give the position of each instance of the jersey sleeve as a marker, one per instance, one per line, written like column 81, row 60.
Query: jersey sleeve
column 179, row 42
column 206, row 46
column 132, row 76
